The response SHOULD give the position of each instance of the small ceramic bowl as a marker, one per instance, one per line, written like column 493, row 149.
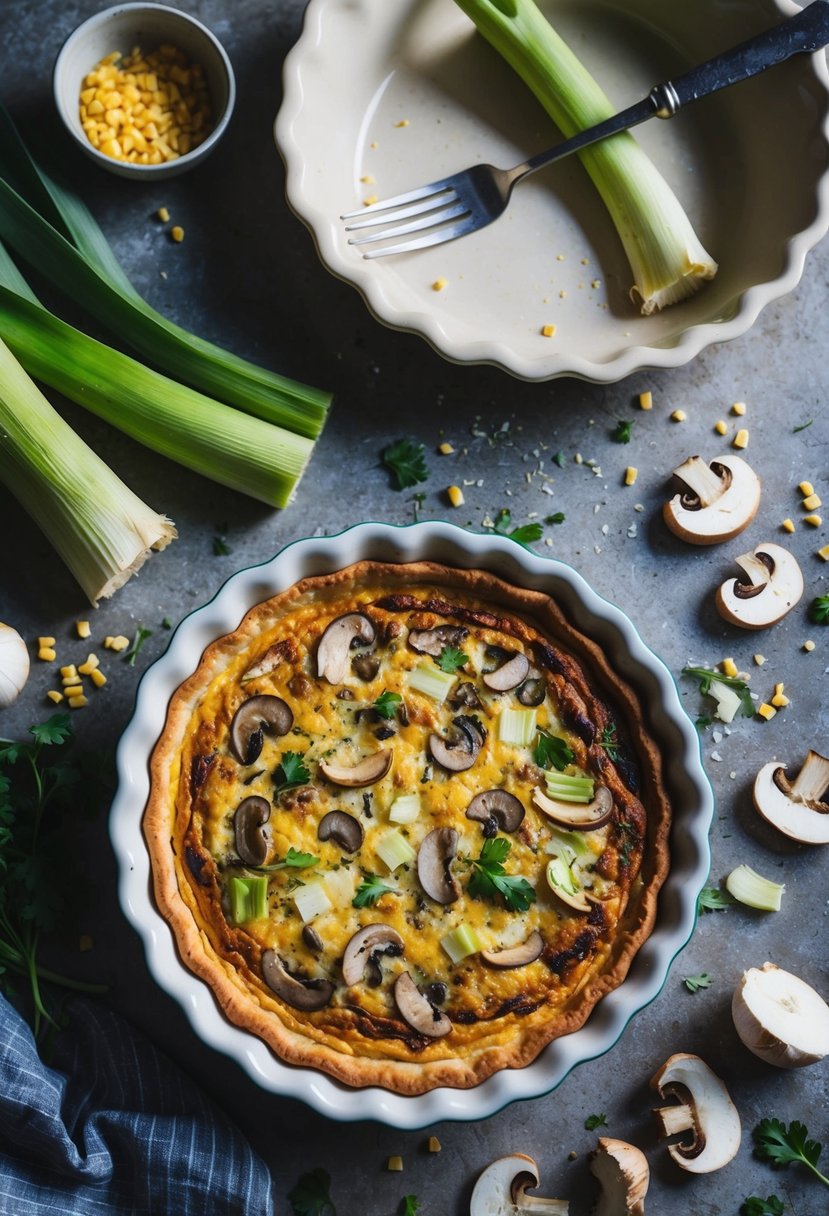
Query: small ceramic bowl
column 146, row 26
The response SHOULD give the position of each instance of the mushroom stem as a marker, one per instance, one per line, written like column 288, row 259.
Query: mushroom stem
column 812, row 782
column 704, row 483
column 675, row 1119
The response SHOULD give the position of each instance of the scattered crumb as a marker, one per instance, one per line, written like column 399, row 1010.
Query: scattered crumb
column 404, row 122
column 370, row 200
column 678, row 416
column 395, row 1164
column 433, row 1144
column 445, row 449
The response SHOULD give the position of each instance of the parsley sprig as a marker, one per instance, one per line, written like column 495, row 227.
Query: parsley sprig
column 489, row 878
column 290, row 772
column 140, row 637
column 782, row 1146
column 525, row 534
column 369, row 891
column 623, row 431
column 38, row 791
column 819, row 610
column 451, row 659
column 293, row 860
column 754, row 1206
column 712, row 899
column 387, row 704
column 695, row 982
column 311, row 1195
column 552, row 752
column 411, row 1205
column 406, row 462
column 594, row 1121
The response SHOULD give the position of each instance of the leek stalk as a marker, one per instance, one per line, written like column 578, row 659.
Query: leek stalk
column 102, row 530
column 666, row 257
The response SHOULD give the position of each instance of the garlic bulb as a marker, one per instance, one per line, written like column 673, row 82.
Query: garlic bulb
column 780, row 1017
column 14, row 664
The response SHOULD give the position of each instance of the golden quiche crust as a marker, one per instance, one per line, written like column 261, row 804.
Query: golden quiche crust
column 270, row 939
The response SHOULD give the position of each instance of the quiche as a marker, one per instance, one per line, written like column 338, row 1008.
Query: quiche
column 408, row 824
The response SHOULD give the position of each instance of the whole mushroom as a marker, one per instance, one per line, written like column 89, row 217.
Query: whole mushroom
column 772, row 586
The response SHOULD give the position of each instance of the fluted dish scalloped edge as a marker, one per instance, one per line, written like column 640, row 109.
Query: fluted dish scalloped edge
column 321, row 183
column 689, row 789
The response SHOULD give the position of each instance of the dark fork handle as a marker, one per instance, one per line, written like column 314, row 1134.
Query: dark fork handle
column 805, row 32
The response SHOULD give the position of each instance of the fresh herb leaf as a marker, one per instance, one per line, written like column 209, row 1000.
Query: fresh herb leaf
column 782, row 1146
column 167, row 623
column 609, row 741
column 418, row 500
column 524, row 534
column 819, row 610
column 694, row 982
column 557, row 517
column 387, row 704
column 623, row 431
column 705, row 677
column 702, row 720
column 772, row 1206
column 594, row 1121
column 559, row 459
column 552, row 752
column 293, row 860
column 802, row 426
column 141, row 635
column 489, row 878
column 406, row 462
column 411, row 1205
column 311, row 1195
column 220, row 546
column 451, row 659
column 57, row 729
column 369, row 891
column 290, row 772
column 713, row 899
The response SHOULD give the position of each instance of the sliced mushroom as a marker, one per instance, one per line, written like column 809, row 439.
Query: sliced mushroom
column 577, row 816
column 496, row 809
column 512, row 672
column 248, row 822
column 460, row 750
column 366, row 667
column 370, row 769
column 623, row 1174
column 704, row 1109
column 433, row 860
column 780, row 1017
column 299, row 994
column 561, row 882
column 312, row 939
column 532, row 691
column 774, row 586
column 418, row 1010
column 253, row 718
column 516, row 956
column 280, row 652
column 364, row 947
column 343, row 829
column 501, row 1190
column 353, row 629
column 720, row 500
column 465, row 694
column 433, row 641
column 799, row 809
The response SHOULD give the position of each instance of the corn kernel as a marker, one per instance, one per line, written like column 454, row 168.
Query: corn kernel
column 779, row 699
column 445, row 449
column 55, row 696
column 439, row 284
column 721, row 427
column 678, row 416
column 646, row 400
column 404, row 122
column 370, row 200
column 46, row 641
column 92, row 661
column 177, row 233
column 77, row 702
column 83, row 629
column 759, row 659
column 455, row 496
column 766, row 711
column 787, row 525
column 72, row 690
column 740, row 440
column 47, row 654
column 806, row 488
column 811, row 502
column 728, row 667
column 162, row 214
column 824, row 553
column 814, row 521
column 97, row 677
column 118, row 643
column 738, row 408
column 69, row 672
column 631, row 473
column 548, row 331
column 395, row 1164
column 808, row 646
column 434, row 1145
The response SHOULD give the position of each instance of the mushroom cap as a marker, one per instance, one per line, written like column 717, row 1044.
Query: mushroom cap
column 780, row 1018
column 255, row 715
column 729, row 511
column 369, row 770
column 516, row 956
column 512, row 672
column 433, row 858
column 460, row 751
column 300, row 994
column 335, row 645
column 577, row 816
column 775, row 586
column 249, row 819
column 367, row 942
column 501, row 1190
column 498, row 806
column 623, row 1174
column 705, row 1110
column 433, row 641
column 418, row 1010
column 802, row 820
column 343, row 828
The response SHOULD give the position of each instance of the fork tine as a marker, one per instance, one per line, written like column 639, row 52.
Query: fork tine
column 398, row 200
column 429, row 202
column 435, row 236
column 430, row 220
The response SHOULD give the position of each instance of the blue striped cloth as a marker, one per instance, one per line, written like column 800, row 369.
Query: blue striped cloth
column 112, row 1127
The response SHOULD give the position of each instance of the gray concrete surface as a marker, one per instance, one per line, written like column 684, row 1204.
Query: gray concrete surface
column 247, row 275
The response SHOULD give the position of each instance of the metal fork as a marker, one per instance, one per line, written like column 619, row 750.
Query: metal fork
column 465, row 202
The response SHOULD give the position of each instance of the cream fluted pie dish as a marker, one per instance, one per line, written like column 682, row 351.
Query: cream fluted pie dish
column 409, row 820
